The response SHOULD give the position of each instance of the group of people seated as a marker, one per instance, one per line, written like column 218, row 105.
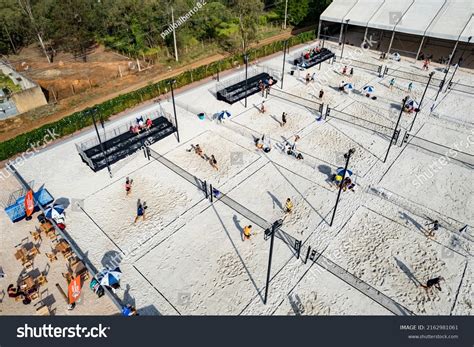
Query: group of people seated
column 141, row 125
column 346, row 183
column 14, row 292
column 263, row 144
column 312, row 52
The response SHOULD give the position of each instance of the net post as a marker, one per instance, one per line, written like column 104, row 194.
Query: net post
column 212, row 195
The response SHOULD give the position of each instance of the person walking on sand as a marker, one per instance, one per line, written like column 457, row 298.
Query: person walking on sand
column 433, row 282
column 213, row 162
column 410, row 86
column 321, row 94
column 344, row 70
column 128, row 185
column 283, row 119
column 392, row 83
column 432, row 227
column 141, row 207
column 262, row 107
column 288, row 206
column 308, row 77
column 247, row 232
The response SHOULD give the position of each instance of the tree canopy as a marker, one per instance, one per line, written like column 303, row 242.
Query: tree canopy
column 136, row 27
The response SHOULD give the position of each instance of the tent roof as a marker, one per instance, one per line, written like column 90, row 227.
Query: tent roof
column 444, row 19
column 337, row 10
column 363, row 11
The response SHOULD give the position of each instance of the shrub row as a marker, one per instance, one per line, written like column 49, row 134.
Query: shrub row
column 82, row 119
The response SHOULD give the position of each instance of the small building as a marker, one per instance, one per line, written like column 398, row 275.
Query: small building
column 25, row 96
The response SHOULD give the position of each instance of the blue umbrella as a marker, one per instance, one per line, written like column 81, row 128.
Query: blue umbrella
column 340, row 171
column 54, row 212
column 369, row 89
column 110, row 277
column 412, row 104
column 348, row 86
column 223, row 114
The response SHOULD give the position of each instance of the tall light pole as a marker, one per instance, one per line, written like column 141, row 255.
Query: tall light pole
column 459, row 61
column 246, row 59
column 100, row 142
column 284, row 59
column 348, row 157
column 422, row 98
column 275, row 226
column 344, row 37
column 395, row 130
column 174, row 107
column 286, row 14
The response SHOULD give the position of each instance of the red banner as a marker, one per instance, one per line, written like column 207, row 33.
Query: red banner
column 74, row 290
column 29, row 203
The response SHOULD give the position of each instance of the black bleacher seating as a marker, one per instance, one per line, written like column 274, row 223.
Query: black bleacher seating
column 236, row 91
column 323, row 55
column 128, row 143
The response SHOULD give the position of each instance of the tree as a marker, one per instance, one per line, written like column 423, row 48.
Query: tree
column 26, row 7
column 247, row 12
column 297, row 11
column 75, row 23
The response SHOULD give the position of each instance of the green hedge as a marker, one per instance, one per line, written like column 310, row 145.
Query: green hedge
column 82, row 119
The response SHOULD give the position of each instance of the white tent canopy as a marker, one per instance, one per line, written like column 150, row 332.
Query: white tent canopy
column 443, row 19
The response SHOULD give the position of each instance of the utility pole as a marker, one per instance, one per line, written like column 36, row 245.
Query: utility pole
column 284, row 60
column 286, row 13
column 348, row 157
column 174, row 35
column 395, row 130
column 422, row 98
column 275, row 226
column 174, row 108
column 344, row 37
column 246, row 59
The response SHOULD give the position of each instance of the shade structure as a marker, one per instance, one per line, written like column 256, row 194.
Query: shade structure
column 369, row 89
column 54, row 212
column 348, row 86
column 442, row 19
column 109, row 278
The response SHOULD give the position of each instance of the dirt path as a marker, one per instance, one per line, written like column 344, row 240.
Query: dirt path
column 15, row 126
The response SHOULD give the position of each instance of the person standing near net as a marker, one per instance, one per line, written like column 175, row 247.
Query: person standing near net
column 213, row 162
column 392, row 83
column 288, row 206
column 247, row 232
column 128, row 185
column 283, row 119
column 141, row 207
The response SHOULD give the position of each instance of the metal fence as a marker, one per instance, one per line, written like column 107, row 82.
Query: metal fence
column 358, row 121
column 292, row 242
column 362, row 65
column 295, row 99
column 460, row 87
column 410, row 76
column 360, row 285
column 439, row 150
column 175, row 168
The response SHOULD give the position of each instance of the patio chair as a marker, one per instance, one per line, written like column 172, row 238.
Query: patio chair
column 36, row 235
column 51, row 257
column 41, row 280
